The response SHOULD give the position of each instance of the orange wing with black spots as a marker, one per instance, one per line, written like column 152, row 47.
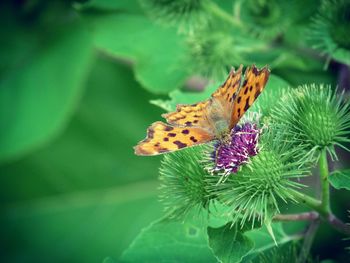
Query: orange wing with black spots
column 253, row 84
column 189, row 115
column 227, row 92
column 163, row 138
column 198, row 114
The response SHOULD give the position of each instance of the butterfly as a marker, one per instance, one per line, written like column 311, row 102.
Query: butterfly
column 205, row 121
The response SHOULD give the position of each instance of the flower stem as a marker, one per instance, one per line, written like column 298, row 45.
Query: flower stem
column 217, row 11
column 323, row 165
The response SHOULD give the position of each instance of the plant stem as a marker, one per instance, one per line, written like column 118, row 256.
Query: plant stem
column 217, row 11
column 307, row 216
column 308, row 240
column 323, row 165
column 308, row 200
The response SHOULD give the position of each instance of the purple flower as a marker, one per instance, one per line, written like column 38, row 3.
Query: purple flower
column 230, row 154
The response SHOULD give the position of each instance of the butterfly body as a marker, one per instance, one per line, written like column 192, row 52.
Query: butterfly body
column 208, row 120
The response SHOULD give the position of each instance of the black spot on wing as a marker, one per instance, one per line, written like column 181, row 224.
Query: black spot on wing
column 192, row 138
column 246, row 90
column 246, row 107
column 185, row 131
column 170, row 134
column 179, row 144
column 168, row 128
column 165, row 139
column 188, row 123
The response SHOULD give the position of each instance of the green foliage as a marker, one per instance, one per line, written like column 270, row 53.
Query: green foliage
column 229, row 244
column 35, row 102
column 340, row 179
column 126, row 37
column 171, row 241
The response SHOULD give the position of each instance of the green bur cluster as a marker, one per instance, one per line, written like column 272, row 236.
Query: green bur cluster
column 251, row 194
column 298, row 131
column 330, row 30
column 317, row 117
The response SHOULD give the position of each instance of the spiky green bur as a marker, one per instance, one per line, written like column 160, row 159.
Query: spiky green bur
column 317, row 116
column 266, row 19
column 253, row 192
column 330, row 30
column 182, row 182
column 215, row 49
column 185, row 14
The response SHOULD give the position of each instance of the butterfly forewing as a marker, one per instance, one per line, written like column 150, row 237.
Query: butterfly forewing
column 253, row 84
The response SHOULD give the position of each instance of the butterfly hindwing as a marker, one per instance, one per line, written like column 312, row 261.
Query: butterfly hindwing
column 162, row 138
column 253, row 84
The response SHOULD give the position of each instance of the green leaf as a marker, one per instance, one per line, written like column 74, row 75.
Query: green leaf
column 171, row 241
column 229, row 244
column 264, row 242
column 340, row 179
column 40, row 90
column 85, row 195
column 157, row 53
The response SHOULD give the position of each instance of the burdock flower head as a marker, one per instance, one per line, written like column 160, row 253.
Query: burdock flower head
column 228, row 156
column 264, row 176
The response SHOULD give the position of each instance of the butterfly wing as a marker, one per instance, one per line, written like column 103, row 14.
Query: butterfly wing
column 189, row 115
column 226, row 93
column 199, row 114
column 163, row 138
column 253, row 84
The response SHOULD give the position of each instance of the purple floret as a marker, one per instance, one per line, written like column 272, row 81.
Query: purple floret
column 229, row 156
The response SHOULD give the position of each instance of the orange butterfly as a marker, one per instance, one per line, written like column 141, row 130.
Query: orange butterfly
column 208, row 120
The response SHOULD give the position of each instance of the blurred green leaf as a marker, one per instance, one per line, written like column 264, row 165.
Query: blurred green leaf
column 40, row 91
column 77, row 227
column 340, row 179
column 171, row 241
column 86, row 195
column 108, row 5
column 229, row 244
column 157, row 53
column 96, row 149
